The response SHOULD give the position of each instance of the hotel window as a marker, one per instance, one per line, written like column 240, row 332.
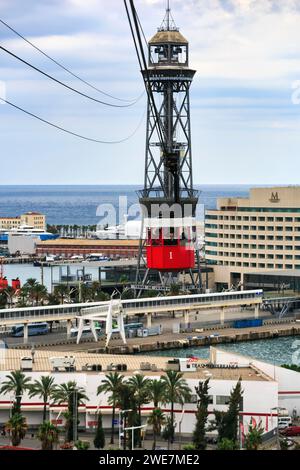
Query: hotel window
column 297, row 257
column 246, row 245
column 270, row 256
column 270, row 266
column 279, row 247
column 289, row 219
column 261, row 265
column 261, row 237
column 254, row 237
column 297, row 266
column 246, row 265
column 289, row 229
column 261, row 219
column 261, row 247
column 246, row 218
column 290, row 239
column 270, row 237
column 288, row 247
column 280, row 266
column 245, row 227
column 253, row 247
column 270, row 219
column 279, row 256
column 279, row 219
column 288, row 266
column 261, row 255
column 253, row 227
column 279, row 238
column 288, row 256
column 253, row 219
column 253, row 265
column 279, row 229
column 270, row 229
column 261, row 228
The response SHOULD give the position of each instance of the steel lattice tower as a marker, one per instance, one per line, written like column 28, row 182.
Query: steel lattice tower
column 168, row 198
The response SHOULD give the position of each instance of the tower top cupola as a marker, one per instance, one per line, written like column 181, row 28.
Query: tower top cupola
column 168, row 47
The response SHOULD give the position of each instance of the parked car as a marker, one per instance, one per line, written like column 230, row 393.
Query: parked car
column 291, row 431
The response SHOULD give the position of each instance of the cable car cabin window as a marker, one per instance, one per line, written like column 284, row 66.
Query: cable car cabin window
column 170, row 237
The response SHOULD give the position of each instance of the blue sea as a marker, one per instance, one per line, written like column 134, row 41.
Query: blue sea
column 71, row 205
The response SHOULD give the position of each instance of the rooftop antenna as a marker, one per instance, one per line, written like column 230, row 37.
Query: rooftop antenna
column 168, row 23
column 168, row 14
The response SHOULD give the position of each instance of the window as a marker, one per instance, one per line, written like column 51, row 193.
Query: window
column 222, row 400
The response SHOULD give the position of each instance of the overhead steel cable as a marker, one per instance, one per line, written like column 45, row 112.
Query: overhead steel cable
column 59, row 64
column 80, row 136
column 65, row 85
column 135, row 31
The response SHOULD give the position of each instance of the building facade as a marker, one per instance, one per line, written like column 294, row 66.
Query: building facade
column 69, row 247
column 258, row 235
column 33, row 219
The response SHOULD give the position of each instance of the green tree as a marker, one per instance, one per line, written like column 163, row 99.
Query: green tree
column 43, row 388
column 17, row 383
column 176, row 391
column 126, row 401
column 111, row 385
column 48, row 435
column 227, row 423
column 168, row 431
column 39, row 293
column 227, row 444
column 140, row 389
column 201, row 415
column 156, row 390
column 10, row 294
column 74, row 396
column 157, row 419
column 99, row 440
column 61, row 292
column 16, row 427
column 253, row 438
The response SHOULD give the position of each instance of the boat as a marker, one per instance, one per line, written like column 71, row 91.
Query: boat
column 27, row 230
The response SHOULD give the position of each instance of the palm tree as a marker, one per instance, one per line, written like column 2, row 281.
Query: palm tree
column 10, row 294
column 140, row 389
column 17, row 428
column 111, row 385
column 61, row 291
column 156, row 391
column 43, row 388
column 67, row 393
column 30, row 285
column 157, row 419
column 39, row 293
column 176, row 391
column 17, row 384
column 48, row 435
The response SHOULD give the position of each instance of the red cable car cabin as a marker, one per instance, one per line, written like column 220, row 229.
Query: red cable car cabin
column 3, row 283
column 170, row 249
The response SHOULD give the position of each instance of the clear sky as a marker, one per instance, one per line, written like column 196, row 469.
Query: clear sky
column 245, row 127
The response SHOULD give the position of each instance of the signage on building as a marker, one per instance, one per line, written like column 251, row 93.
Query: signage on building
column 274, row 197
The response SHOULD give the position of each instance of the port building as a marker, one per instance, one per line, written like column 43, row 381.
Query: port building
column 91, row 370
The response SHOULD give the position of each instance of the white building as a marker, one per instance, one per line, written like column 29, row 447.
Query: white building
column 259, row 397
